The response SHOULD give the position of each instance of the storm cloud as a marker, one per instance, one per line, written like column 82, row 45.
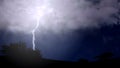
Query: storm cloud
column 67, row 14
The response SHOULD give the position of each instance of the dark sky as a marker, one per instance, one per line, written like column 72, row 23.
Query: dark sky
column 85, row 28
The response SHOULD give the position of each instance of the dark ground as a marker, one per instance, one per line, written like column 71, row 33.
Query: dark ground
column 43, row 63
column 18, row 56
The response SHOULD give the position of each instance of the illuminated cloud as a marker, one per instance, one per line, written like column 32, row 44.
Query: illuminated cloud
column 56, row 15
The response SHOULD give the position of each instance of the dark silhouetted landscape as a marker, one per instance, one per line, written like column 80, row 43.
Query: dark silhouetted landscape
column 18, row 55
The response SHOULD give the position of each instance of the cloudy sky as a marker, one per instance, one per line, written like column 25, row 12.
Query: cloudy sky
column 64, row 26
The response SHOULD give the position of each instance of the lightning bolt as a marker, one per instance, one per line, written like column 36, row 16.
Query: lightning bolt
column 40, row 11
column 33, row 35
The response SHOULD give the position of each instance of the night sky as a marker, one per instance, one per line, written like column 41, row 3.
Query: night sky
column 68, row 29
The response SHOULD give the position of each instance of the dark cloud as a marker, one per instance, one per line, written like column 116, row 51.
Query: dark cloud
column 1, row 2
column 95, row 2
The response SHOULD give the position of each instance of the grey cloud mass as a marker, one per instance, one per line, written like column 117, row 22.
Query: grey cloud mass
column 66, row 15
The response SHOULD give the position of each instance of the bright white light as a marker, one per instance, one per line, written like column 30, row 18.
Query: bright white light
column 39, row 12
column 33, row 33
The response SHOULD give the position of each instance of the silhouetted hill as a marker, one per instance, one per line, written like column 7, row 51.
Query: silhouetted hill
column 17, row 55
column 47, row 63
